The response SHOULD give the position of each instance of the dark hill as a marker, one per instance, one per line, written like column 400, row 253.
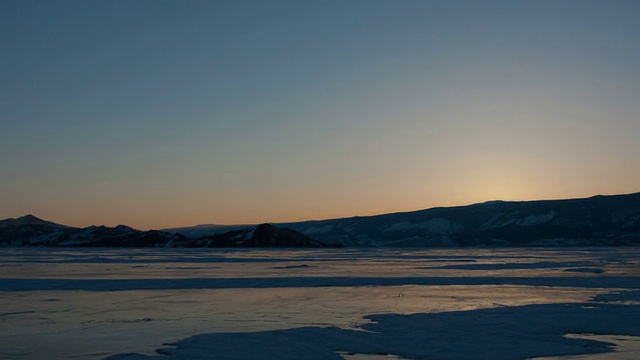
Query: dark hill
column 595, row 221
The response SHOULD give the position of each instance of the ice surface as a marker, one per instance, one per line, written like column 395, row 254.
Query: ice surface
column 517, row 332
column 323, row 304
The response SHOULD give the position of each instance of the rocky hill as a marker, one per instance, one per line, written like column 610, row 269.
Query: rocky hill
column 31, row 231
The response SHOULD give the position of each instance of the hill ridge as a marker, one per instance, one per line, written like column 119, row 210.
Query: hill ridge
column 595, row 220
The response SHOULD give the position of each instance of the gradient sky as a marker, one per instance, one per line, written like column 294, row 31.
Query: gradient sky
column 173, row 113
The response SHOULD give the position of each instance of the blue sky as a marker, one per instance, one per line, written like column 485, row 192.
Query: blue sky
column 170, row 113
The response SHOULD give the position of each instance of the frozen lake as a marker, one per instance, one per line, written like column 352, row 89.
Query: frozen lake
column 320, row 304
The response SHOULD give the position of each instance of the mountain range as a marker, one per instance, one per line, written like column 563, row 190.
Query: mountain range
column 29, row 230
column 596, row 221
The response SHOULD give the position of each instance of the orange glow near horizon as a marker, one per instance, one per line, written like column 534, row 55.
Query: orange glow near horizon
column 257, row 215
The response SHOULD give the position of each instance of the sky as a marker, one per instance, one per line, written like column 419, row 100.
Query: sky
column 160, row 114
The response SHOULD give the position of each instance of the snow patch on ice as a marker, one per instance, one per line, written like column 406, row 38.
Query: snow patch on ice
column 474, row 334
column 630, row 296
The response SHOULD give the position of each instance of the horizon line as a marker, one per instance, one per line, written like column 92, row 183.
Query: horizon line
column 330, row 219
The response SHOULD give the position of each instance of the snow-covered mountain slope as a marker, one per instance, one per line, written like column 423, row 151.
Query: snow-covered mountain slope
column 599, row 220
column 32, row 231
